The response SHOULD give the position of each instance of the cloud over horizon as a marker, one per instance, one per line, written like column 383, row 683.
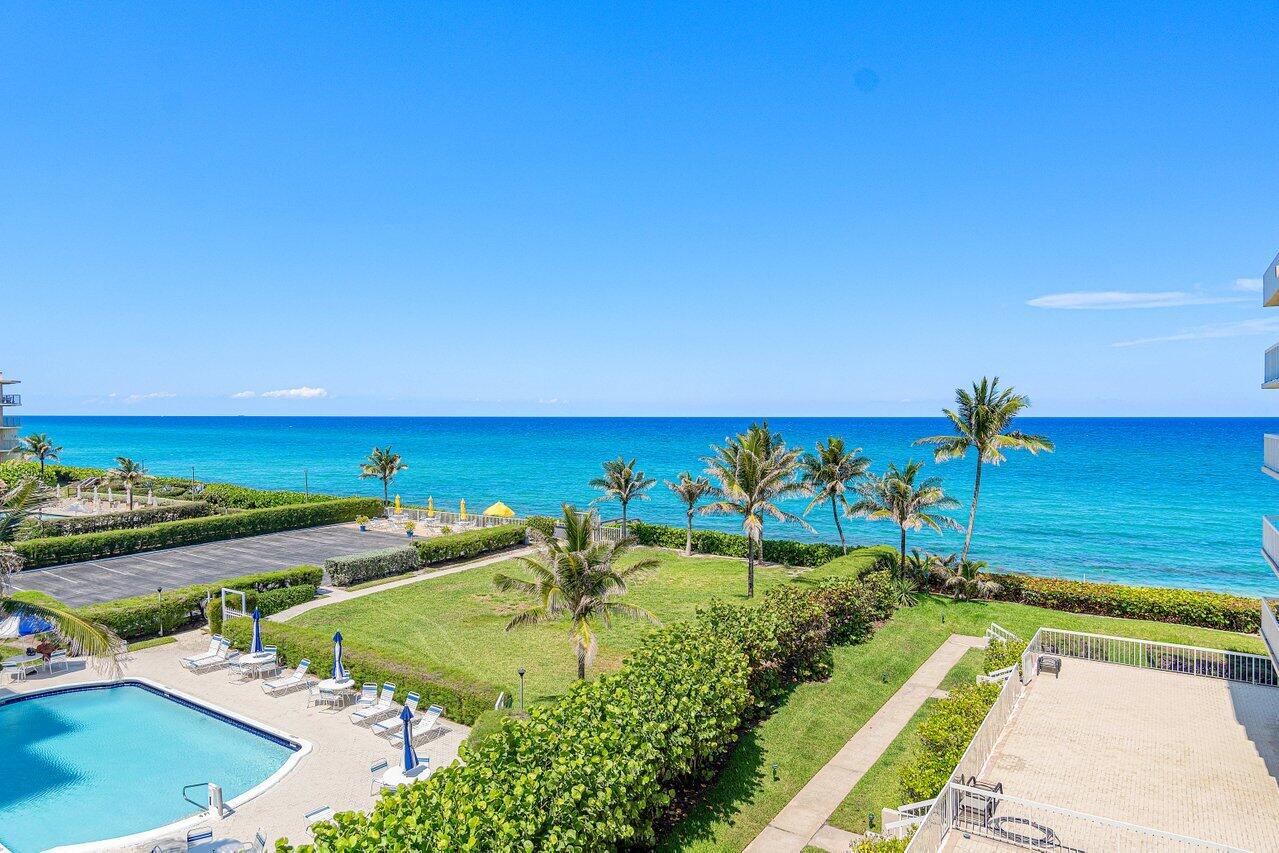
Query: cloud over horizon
column 1118, row 300
column 304, row 392
column 1241, row 328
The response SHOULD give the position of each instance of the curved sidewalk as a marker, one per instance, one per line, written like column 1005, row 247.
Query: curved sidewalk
column 803, row 821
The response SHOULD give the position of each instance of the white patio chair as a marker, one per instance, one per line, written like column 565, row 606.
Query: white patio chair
column 421, row 726
column 384, row 706
column 376, row 769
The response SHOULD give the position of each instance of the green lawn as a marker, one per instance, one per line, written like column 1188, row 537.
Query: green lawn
column 458, row 620
column 818, row 718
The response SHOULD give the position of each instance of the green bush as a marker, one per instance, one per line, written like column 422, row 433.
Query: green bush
column 51, row 551
column 883, row 845
column 142, row 516
column 267, row 603
column 370, row 565
column 854, row 606
column 461, row 696
column 784, row 551
column 243, row 497
column 472, row 543
column 1003, row 654
column 542, row 523
column 486, row 725
column 1157, row 604
column 943, row 737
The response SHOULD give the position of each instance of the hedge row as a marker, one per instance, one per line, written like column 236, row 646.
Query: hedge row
column 51, row 551
column 543, row 523
column 943, row 737
column 140, row 517
column 144, row 615
column 267, row 603
column 598, row 769
column 784, row 551
column 472, row 543
column 370, row 565
column 1157, row 604
column 242, row 497
column 462, row 697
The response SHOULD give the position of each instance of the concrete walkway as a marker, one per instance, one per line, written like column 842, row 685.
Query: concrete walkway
column 334, row 595
column 803, row 821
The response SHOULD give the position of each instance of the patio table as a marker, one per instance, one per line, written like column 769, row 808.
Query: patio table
column 395, row 776
column 338, row 689
column 24, row 664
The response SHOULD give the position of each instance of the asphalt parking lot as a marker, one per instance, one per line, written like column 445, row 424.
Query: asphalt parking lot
column 135, row 574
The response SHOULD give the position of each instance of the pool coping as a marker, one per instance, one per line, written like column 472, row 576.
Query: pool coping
column 300, row 747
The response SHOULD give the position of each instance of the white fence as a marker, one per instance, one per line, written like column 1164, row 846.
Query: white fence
column 1166, row 657
column 446, row 518
column 1270, row 626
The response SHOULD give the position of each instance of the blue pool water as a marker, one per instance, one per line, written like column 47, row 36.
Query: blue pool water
column 1164, row 501
column 89, row 765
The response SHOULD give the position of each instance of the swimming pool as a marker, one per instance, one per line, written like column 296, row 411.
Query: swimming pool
column 94, row 762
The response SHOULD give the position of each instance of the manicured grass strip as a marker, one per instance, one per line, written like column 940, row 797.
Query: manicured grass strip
column 818, row 719
column 154, row 641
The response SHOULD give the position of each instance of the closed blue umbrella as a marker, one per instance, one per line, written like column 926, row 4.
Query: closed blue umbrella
column 410, row 755
column 339, row 674
column 256, row 646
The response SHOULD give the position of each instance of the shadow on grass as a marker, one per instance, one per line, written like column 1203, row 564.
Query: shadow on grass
column 734, row 783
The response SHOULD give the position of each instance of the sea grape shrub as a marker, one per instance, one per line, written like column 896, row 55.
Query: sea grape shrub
column 943, row 737
column 803, row 630
column 1004, row 654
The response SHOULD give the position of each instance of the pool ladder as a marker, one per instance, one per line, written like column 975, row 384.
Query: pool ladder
column 213, row 805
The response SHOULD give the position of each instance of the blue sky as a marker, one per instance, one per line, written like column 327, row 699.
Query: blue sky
column 635, row 209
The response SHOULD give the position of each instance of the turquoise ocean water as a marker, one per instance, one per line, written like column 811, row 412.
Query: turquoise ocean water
column 1173, row 502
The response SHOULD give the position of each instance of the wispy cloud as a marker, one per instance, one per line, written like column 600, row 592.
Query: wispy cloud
column 1116, row 300
column 243, row 395
column 1242, row 328
column 153, row 395
column 1249, row 285
column 305, row 392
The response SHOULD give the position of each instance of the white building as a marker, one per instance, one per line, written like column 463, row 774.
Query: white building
column 9, row 425
column 1270, row 465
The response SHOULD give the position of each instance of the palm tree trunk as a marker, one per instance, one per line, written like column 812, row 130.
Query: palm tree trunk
column 688, row 535
column 581, row 662
column 750, row 568
column 972, row 510
column 386, row 494
column 623, row 519
column 129, row 492
column 41, row 467
column 834, row 510
column 901, row 562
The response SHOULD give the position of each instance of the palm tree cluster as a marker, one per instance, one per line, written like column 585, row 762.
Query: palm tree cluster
column 128, row 473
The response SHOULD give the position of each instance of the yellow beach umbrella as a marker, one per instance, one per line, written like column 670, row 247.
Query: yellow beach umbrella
column 430, row 507
column 461, row 512
column 500, row 509
column 397, row 504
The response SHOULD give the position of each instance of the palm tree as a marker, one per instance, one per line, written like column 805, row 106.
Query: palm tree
column 38, row 446
column 128, row 473
column 898, row 498
column 621, row 482
column 578, row 579
column 982, row 419
column 94, row 640
column 382, row 465
column 753, row 471
column 827, row 475
column 965, row 581
column 690, row 490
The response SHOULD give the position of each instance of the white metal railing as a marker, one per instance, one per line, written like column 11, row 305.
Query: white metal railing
column 1270, row 628
column 1145, row 654
column 1272, row 366
column 10, row 421
column 448, row 518
column 1270, row 284
column 1025, row 823
column 1270, row 453
column 999, row 632
column 10, row 399
column 1270, row 541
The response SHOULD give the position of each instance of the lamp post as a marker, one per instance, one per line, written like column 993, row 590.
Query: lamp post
column 521, row 672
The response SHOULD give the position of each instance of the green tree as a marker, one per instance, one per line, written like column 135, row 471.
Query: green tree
column 982, row 419
column 828, row 475
column 623, row 483
column 900, row 497
column 96, row 641
column 383, row 465
column 38, row 446
column 964, row 580
column 752, row 472
column 576, row 579
column 128, row 473
column 690, row 491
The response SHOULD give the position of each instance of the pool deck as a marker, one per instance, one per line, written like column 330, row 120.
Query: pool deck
column 335, row 773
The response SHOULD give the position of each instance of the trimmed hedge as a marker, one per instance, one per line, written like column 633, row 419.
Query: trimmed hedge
column 139, row 517
column 598, row 769
column 1157, row 604
column 244, row 497
column 269, row 602
column 1003, row 654
column 943, row 737
column 542, row 523
column 370, row 565
column 462, row 697
column 472, row 543
column 783, row 551
column 51, row 551
column 149, row 614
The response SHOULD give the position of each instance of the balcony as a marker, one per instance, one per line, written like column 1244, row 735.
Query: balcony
column 1271, row 377
column 1270, row 463
column 1270, row 284
column 10, row 399
column 1270, row 628
column 1270, row 541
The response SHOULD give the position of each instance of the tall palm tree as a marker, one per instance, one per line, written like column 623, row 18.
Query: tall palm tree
column 689, row 490
column 128, row 473
column 898, row 498
column 752, row 472
column 96, row 641
column 982, row 419
column 38, row 446
column 623, row 483
column 578, row 579
column 965, row 581
column 383, row 465
column 828, row 473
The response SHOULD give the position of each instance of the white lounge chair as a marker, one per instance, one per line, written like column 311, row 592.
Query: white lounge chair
column 225, row 655
column 276, row 686
column 193, row 661
column 384, row 706
column 421, row 726
column 394, row 725
column 319, row 815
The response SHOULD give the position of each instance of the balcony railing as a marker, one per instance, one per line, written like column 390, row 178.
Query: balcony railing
column 1270, row 628
column 1271, row 377
column 1270, row 455
column 8, row 421
column 1270, row 541
column 10, row 399
column 1270, row 284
